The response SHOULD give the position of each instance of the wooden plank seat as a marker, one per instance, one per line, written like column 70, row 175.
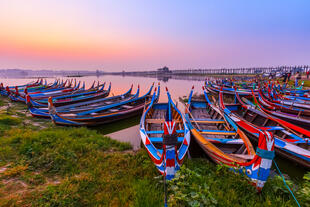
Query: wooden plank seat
column 217, row 132
column 127, row 106
column 209, row 121
column 160, row 139
column 246, row 157
column 162, row 131
column 224, row 141
column 70, row 115
column 158, row 121
column 113, row 110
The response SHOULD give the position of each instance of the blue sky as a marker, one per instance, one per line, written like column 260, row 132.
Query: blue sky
column 137, row 35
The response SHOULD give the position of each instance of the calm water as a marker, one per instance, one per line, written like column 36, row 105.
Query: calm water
column 177, row 88
column 120, row 84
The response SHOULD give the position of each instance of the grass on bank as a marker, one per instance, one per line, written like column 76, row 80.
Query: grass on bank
column 64, row 166
column 201, row 183
column 79, row 167
column 306, row 83
column 73, row 167
column 291, row 83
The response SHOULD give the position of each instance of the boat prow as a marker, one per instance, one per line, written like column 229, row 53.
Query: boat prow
column 165, row 136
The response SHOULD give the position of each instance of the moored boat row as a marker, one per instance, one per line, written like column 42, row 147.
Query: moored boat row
column 228, row 132
column 243, row 133
column 66, row 103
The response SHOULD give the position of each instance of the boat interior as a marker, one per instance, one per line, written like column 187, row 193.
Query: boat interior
column 154, row 124
column 259, row 119
column 212, row 126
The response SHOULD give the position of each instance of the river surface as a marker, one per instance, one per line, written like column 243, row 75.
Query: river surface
column 120, row 84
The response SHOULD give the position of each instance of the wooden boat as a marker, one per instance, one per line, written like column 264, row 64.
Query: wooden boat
column 165, row 136
column 288, row 101
column 5, row 91
column 57, row 85
column 295, row 91
column 292, row 101
column 215, row 89
column 294, row 115
column 223, row 141
column 45, row 86
column 30, row 84
column 291, row 141
column 15, row 95
column 43, row 112
column 276, row 96
column 61, row 92
column 287, row 93
column 91, row 94
column 100, row 115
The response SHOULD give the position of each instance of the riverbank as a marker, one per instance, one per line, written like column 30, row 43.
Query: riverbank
column 306, row 82
column 46, row 165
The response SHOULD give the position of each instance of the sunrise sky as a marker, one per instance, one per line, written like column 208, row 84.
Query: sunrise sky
column 146, row 34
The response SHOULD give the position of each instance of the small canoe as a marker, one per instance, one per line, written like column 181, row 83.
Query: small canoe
column 300, row 117
column 72, row 98
column 43, row 112
column 291, row 141
column 215, row 89
column 102, row 114
column 5, row 91
column 226, row 144
column 165, row 136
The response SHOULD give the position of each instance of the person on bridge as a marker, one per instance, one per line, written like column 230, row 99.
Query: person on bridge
column 285, row 77
column 297, row 78
column 289, row 75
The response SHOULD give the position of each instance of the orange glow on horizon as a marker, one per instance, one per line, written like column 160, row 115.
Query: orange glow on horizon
column 63, row 46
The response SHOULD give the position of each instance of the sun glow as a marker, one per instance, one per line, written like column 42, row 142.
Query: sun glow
column 118, row 35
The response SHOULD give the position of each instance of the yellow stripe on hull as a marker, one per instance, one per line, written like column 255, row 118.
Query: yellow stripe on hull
column 214, row 151
column 209, row 122
column 219, row 133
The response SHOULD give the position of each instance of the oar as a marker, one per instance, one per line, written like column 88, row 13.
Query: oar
column 193, row 119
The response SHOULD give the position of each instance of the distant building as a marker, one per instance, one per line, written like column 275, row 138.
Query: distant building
column 163, row 70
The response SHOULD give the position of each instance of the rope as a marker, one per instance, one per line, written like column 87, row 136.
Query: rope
column 286, row 183
column 265, row 154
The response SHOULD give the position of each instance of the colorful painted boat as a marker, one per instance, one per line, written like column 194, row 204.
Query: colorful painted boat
column 43, row 112
column 215, row 89
column 291, row 141
column 296, row 116
column 55, row 92
column 33, row 83
column 223, row 141
column 289, row 101
column 96, row 93
column 273, row 100
column 165, row 136
column 101, row 115
column 5, row 91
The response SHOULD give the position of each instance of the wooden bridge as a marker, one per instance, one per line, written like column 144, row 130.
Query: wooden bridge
column 254, row 70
